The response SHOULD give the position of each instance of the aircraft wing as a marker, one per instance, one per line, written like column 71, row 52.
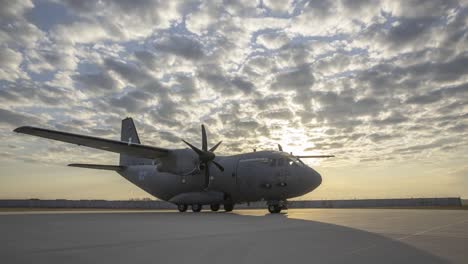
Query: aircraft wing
column 98, row 166
column 315, row 156
column 136, row 150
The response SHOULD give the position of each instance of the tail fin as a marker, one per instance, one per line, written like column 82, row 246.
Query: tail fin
column 129, row 134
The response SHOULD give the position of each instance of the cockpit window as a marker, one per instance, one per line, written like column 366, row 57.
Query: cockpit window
column 293, row 161
column 286, row 161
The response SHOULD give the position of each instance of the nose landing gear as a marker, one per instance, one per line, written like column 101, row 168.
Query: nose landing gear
column 275, row 207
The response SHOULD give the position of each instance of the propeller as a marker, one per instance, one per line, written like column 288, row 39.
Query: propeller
column 206, row 156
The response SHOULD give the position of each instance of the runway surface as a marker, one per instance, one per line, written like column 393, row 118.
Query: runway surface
column 243, row 236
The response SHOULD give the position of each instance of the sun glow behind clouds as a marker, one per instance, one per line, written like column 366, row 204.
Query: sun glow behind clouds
column 297, row 141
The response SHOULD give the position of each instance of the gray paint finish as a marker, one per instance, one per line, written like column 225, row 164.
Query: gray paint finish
column 247, row 236
column 197, row 176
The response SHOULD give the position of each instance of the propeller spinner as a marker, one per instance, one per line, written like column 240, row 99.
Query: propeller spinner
column 206, row 156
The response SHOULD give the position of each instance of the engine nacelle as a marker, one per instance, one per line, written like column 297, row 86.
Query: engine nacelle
column 180, row 162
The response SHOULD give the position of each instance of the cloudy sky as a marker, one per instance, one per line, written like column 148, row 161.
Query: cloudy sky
column 383, row 85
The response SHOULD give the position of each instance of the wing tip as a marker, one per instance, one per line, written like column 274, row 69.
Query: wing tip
column 22, row 129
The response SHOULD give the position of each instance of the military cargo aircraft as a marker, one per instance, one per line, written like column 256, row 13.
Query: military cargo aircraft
column 196, row 176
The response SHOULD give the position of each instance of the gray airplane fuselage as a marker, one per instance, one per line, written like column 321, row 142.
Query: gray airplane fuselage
column 196, row 176
column 248, row 177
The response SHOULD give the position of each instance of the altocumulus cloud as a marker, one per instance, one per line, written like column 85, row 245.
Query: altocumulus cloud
column 341, row 74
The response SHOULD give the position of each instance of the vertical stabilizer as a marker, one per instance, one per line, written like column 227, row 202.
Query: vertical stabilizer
column 129, row 134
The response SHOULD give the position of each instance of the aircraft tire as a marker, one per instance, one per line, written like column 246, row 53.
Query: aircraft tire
column 228, row 207
column 274, row 208
column 214, row 207
column 196, row 208
column 182, row 207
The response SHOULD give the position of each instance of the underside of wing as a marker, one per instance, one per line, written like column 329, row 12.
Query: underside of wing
column 136, row 150
column 98, row 166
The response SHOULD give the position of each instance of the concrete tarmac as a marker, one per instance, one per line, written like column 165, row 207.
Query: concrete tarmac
column 242, row 236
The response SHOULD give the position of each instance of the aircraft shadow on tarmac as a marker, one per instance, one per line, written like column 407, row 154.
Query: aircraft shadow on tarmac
column 167, row 237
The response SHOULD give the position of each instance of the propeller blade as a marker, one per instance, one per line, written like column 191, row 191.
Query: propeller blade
column 207, row 175
column 218, row 165
column 315, row 156
column 204, row 140
column 197, row 150
column 215, row 146
column 280, row 148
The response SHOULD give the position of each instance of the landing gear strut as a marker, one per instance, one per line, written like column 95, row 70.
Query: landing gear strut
column 182, row 207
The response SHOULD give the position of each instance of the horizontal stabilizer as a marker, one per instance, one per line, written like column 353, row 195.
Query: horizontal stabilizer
column 315, row 156
column 129, row 148
column 98, row 167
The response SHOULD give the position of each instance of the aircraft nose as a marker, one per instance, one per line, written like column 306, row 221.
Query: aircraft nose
column 315, row 177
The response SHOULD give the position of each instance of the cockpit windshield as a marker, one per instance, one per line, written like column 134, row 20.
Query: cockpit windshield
column 293, row 161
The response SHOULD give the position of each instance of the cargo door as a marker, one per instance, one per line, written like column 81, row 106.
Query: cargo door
column 253, row 177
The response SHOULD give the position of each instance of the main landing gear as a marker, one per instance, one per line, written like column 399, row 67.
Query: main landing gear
column 195, row 207
column 182, row 207
column 214, row 207
column 198, row 207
